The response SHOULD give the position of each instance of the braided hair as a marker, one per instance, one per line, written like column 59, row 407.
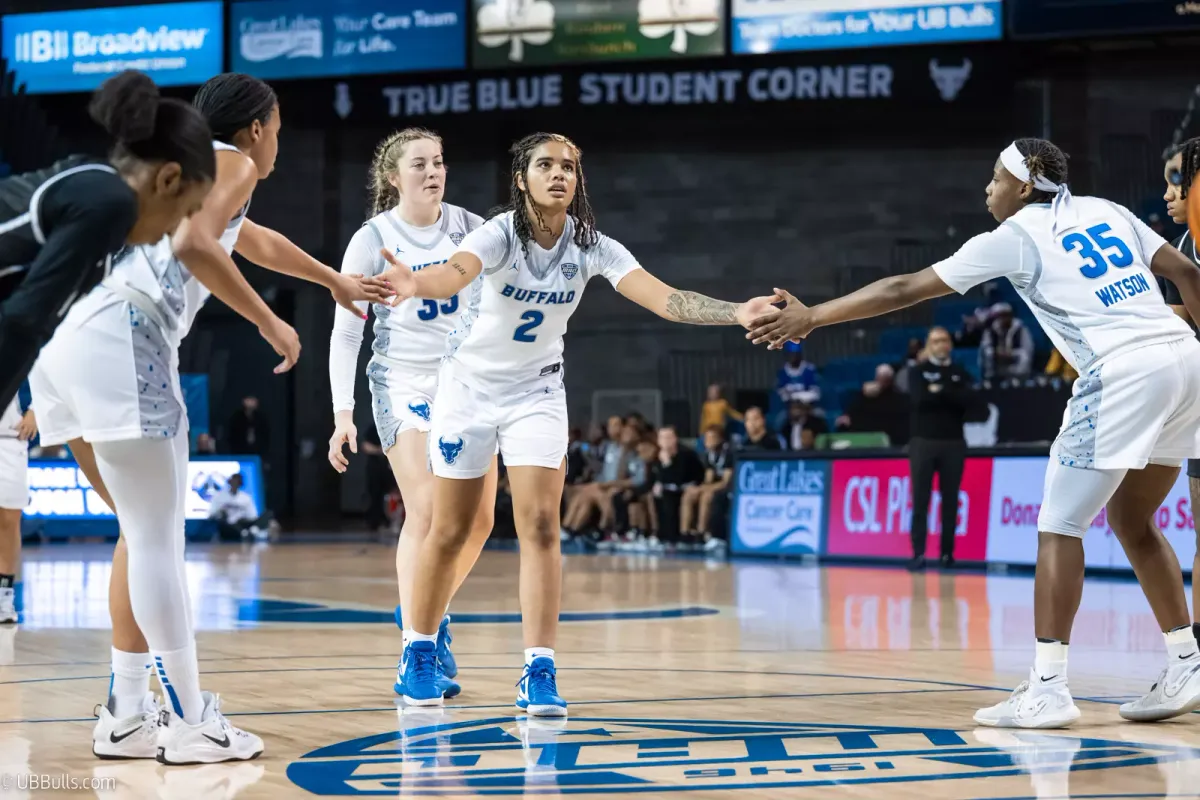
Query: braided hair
column 1189, row 163
column 1043, row 158
column 232, row 102
column 384, row 196
column 580, row 209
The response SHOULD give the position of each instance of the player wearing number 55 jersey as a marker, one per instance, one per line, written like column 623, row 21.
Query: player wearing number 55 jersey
column 503, row 384
column 1086, row 267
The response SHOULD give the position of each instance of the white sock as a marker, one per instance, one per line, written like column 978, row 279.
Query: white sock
column 1181, row 644
column 411, row 636
column 538, row 652
column 1050, row 660
column 129, row 683
column 179, row 674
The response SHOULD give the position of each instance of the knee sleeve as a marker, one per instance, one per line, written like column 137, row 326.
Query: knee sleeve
column 142, row 476
column 1072, row 497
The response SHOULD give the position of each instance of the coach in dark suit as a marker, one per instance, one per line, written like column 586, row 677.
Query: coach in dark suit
column 941, row 393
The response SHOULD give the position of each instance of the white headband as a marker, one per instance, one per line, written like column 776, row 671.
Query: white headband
column 1064, row 215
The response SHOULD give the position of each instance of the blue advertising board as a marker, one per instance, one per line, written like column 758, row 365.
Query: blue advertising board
column 778, row 507
column 176, row 44
column 768, row 26
column 326, row 38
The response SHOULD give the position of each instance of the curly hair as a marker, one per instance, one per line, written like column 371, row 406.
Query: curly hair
column 1046, row 159
column 387, row 155
column 580, row 208
column 1189, row 162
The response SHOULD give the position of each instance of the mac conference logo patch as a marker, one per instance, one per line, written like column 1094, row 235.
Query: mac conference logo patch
column 432, row 756
column 569, row 271
column 457, row 238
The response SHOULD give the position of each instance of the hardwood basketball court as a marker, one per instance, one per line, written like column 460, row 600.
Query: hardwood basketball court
column 685, row 678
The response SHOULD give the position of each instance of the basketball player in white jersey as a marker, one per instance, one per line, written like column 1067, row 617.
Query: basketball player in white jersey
column 502, row 383
column 16, row 429
column 1086, row 268
column 411, row 221
column 109, row 429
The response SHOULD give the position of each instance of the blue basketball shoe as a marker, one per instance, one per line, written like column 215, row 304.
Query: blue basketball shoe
column 445, row 657
column 537, row 691
column 450, row 689
column 418, row 683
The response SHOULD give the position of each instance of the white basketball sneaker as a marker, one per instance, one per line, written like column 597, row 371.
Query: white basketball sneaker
column 211, row 741
column 1034, row 704
column 1176, row 692
column 131, row 737
column 8, row 606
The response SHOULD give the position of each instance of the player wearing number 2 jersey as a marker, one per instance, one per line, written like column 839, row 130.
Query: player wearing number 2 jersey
column 502, row 385
column 1086, row 267
column 410, row 221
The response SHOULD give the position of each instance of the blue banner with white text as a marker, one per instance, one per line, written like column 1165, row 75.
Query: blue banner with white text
column 176, row 44
column 328, row 38
column 767, row 26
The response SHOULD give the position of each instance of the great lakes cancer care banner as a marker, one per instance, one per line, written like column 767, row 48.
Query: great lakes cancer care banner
column 863, row 508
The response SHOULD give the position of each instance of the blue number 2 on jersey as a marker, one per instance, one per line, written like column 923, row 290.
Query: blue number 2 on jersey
column 532, row 320
column 1093, row 249
column 429, row 308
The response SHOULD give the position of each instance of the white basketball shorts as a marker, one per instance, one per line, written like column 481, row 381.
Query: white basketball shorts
column 401, row 399
column 14, row 473
column 107, row 375
column 529, row 425
column 1137, row 408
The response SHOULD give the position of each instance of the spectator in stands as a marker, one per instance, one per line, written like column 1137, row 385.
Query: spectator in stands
column 758, row 437
column 236, row 514
column 248, row 432
column 797, row 379
column 1006, row 350
column 678, row 469
column 879, row 407
column 802, row 421
column 590, row 499
column 633, row 507
column 578, row 469
column 1059, row 367
column 716, row 410
column 696, row 509
column 912, row 355
column 975, row 322
column 206, row 445
column 941, row 400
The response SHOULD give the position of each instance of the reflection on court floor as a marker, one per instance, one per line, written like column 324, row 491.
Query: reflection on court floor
column 685, row 677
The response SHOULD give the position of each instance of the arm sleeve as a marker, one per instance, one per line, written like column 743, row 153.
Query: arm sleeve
column 84, row 218
column 361, row 258
column 611, row 259
column 988, row 256
column 489, row 243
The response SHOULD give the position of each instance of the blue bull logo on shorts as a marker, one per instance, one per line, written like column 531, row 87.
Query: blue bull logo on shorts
column 451, row 449
column 420, row 409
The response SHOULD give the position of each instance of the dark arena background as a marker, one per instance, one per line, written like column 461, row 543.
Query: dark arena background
column 788, row 644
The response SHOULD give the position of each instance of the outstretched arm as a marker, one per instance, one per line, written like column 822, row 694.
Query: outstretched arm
column 274, row 251
column 690, row 307
column 796, row 320
column 436, row 282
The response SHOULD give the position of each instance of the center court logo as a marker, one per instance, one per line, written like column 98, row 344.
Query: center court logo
column 281, row 37
column 43, row 46
column 507, row 756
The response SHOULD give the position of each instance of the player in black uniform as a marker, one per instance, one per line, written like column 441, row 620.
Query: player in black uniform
column 1186, row 154
column 60, row 226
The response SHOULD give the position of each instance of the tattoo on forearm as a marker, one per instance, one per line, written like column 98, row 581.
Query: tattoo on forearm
column 459, row 268
column 700, row 310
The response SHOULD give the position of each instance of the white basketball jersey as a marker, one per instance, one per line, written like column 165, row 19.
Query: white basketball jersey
column 155, row 281
column 514, row 335
column 1089, row 284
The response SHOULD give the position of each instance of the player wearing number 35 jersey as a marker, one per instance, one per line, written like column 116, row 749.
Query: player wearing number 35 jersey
column 1086, row 268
